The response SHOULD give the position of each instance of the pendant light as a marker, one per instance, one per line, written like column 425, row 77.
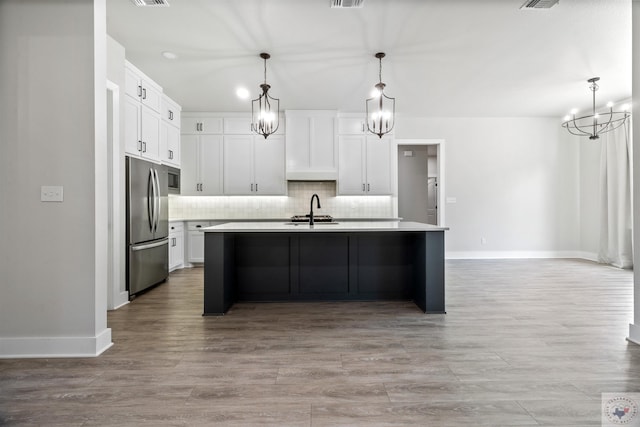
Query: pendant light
column 594, row 124
column 265, row 110
column 380, row 108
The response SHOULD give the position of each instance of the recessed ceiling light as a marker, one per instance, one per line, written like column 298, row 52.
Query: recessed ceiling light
column 242, row 93
column 169, row 55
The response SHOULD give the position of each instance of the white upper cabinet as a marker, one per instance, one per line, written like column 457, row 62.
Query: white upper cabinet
column 201, row 125
column 169, row 144
column 201, row 165
column 237, row 126
column 170, row 132
column 142, row 115
column 254, row 165
column 351, row 125
column 311, row 145
column 365, row 165
column 138, row 85
column 170, row 111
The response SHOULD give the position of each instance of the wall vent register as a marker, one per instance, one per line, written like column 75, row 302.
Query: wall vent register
column 539, row 4
column 150, row 3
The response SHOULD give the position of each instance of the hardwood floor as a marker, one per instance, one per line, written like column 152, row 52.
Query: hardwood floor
column 525, row 342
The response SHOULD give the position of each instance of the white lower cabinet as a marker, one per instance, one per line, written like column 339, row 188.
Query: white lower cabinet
column 365, row 166
column 195, row 241
column 176, row 245
column 254, row 165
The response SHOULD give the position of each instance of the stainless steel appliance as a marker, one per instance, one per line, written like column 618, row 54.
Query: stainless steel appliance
column 173, row 180
column 147, row 224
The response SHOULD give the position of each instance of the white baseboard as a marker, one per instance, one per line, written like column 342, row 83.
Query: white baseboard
column 24, row 347
column 121, row 300
column 514, row 254
column 634, row 334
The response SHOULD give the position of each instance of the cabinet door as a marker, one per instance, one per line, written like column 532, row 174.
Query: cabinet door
column 237, row 125
column 176, row 250
column 210, row 165
column 351, row 172
column 269, row 165
column 169, row 144
column 189, row 172
column 150, row 133
column 151, row 95
column 298, row 143
column 378, row 166
column 190, row 125
column 238, row 165
column 196, row 246
column 132, row 136
column 351, row 125
column 323, row 144
column 132, row 85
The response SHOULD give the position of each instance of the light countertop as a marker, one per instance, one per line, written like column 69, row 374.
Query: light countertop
column 347, row 226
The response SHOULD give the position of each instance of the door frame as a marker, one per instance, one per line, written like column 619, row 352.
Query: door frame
column 117, row 294
column 440, row 143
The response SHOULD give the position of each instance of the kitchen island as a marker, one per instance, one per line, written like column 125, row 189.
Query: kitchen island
column 350, row 261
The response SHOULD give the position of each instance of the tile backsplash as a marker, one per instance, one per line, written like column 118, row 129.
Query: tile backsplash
column 296, row 203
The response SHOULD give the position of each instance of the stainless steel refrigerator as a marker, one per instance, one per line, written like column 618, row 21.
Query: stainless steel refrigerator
column 147, row 224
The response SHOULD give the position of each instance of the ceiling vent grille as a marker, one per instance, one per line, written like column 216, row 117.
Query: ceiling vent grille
column 539, row 4
column 150, row 3
column 346, row 4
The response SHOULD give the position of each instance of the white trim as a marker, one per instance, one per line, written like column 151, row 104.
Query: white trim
column 513, row 254
column 55, row 346
column 121, row 300
column 634, row 334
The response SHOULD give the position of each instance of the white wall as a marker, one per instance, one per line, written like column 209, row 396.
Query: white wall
column 515, row 182
column 590, row 153
column 51, row 303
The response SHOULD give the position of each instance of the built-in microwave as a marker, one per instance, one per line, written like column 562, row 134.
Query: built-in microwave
column 173, row 176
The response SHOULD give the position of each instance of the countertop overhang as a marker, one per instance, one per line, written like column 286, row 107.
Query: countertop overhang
column 341, row 227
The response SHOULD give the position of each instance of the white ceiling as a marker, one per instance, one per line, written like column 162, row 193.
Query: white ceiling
column 444, row 57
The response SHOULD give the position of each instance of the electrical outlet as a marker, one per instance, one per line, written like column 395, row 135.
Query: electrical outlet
column 51, row 193
column 483, row 240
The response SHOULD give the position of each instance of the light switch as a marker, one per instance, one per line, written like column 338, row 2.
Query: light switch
column 51, row 193
column 452, row 200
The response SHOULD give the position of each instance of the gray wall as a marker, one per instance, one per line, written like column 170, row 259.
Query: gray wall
column 52, row 299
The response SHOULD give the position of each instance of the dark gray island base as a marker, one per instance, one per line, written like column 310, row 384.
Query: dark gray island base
column 328, row 263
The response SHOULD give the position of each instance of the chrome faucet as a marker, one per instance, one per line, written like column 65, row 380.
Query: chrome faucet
column 318, row 206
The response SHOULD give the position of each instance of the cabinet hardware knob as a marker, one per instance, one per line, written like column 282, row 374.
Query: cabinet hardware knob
column 363, row 187
column 144, row 93
column 368, row 187
column 139, row 90
column 144, row 147
column 256, row 187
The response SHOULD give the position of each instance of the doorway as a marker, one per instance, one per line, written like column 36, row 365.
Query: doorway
column 420, row 190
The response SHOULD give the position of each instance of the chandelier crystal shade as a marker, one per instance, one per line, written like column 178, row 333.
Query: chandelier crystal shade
column 595, row 124
column 265, row 110
column 380, row 108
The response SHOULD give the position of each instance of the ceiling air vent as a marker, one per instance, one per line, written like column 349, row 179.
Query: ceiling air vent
column 346, row 4
column 150, row 3
column 539, row 4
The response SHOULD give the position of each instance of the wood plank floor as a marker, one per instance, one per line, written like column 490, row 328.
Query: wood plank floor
column 525, row 342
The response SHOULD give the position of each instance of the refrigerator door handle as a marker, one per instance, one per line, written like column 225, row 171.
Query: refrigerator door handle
column 156, row 209
column 151, row 189
column 136, row 248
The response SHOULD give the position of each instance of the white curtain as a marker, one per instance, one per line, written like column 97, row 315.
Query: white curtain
column 615, row 199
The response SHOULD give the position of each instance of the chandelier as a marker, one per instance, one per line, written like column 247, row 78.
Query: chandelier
column 265, row 110
column 596, row 123
column 380, row 108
